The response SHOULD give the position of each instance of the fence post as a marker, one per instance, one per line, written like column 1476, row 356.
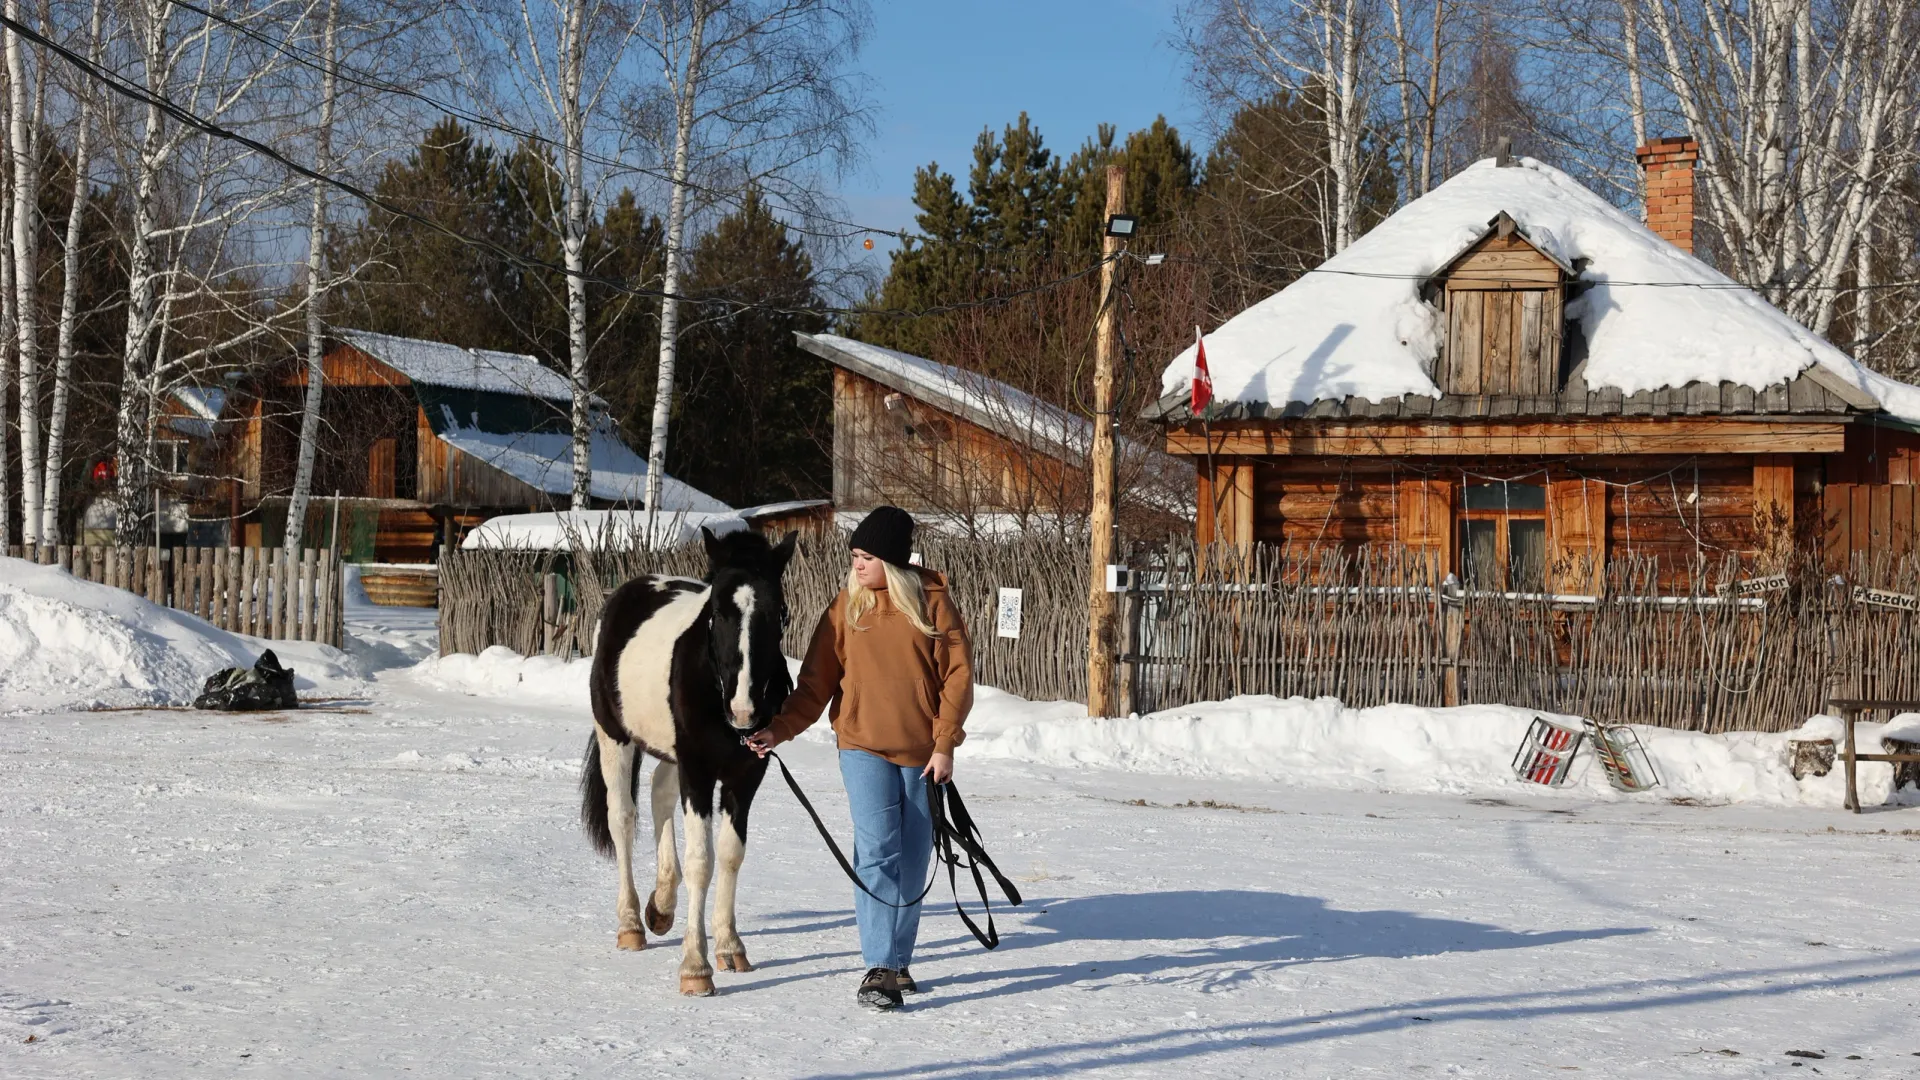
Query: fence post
column 309, row 595
column 1453, row 615
column 549, row 611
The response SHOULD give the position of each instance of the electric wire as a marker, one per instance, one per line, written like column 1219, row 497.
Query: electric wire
column 189, row 118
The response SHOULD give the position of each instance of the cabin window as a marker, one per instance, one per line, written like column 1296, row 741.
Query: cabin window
column 1503, row 537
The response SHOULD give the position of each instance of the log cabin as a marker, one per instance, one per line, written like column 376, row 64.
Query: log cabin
column 1517, row 378
column 970, row 454
column 423, row 441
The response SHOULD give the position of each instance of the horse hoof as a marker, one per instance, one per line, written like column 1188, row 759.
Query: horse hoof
column 632, row 940
column 733, row 961
column 657, row 921
column 696, row 985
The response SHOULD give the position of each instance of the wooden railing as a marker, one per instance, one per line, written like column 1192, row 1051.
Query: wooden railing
column 263, row 592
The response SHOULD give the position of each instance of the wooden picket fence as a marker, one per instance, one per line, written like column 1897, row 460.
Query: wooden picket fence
column 1731, row 646
column 271, row 593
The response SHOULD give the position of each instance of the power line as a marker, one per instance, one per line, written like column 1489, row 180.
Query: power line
column 187, row 117
column 311, row 59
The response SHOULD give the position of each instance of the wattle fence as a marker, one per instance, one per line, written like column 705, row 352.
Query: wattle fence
column 265, row 592
column 1736, row 647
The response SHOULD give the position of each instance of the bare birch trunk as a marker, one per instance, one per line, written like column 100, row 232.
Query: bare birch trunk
column 26, row 278
column 573, row 128
column 316, row 289
column 7, row 301
column 670, row 303
column 69, row 296
column 133, row 421
column 1636, row 91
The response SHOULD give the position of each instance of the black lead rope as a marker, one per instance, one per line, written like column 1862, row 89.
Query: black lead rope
column 953, row 828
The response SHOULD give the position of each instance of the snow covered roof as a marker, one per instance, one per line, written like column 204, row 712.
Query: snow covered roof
column 437, row 363
column 596, row 530
column 544, row 461
column 1004, row 410
column 1652, row 317
column 203, row 405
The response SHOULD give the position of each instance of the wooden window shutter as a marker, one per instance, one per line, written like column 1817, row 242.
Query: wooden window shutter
column 1577, row 536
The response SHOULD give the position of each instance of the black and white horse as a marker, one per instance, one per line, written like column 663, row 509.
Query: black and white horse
column 682, row 670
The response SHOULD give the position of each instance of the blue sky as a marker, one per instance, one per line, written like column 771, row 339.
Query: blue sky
column 941, row 71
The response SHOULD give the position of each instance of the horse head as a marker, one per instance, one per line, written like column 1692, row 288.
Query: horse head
column 748, row 614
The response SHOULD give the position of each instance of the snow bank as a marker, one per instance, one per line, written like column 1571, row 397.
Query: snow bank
column 1465, row 750
column 501, row 673
column 1300, row 742
column 67, row 643
column 1359, row 328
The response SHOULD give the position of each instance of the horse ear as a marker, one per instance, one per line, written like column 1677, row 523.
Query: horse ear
column 783, row 552
column 712, row 543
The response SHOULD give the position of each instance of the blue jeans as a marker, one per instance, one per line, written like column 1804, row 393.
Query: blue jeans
column 892, row 845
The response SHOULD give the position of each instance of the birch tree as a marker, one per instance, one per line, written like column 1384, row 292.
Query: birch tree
column 752, row 97
column 316, row 286
column 1329, row 53
column 1806, row 118
column 212, row 189
column 569, row 65
column 25, row 97
column 84, row 97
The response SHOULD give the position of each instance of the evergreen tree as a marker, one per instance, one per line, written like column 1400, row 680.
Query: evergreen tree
column 754, row 419
column 416, row 281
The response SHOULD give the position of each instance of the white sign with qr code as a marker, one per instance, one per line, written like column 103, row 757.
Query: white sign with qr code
column 1007, row 624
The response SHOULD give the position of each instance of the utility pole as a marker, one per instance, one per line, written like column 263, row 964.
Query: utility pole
column 1101, row 608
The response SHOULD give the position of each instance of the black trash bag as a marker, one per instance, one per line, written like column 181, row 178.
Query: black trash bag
column 265, row 685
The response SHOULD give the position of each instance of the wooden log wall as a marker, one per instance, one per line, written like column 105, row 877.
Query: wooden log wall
column 268, row 593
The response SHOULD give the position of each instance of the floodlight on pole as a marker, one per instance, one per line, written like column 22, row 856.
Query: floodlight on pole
column 1122, row 225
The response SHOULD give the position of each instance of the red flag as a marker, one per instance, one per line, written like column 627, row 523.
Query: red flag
column 1202, row 378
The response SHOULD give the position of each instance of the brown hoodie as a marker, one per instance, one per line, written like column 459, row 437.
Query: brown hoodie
column 895, row 691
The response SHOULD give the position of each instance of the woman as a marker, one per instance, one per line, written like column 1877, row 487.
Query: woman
column 893, row 657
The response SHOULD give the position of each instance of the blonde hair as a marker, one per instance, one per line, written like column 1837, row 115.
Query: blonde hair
column 903, row 587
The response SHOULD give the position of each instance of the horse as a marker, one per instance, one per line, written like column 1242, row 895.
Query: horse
column 683, row 670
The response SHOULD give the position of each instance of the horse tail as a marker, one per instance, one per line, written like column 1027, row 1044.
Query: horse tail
column 593, row 797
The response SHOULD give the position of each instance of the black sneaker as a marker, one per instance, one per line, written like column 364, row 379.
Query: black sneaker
column 905, row 979
column 880, row 989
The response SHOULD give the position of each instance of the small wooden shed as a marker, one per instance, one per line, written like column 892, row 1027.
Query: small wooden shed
column 970, row 452
column 421, row 441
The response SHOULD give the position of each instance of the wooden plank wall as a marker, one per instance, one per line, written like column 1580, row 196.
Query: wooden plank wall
column 1875, row 520
column 262, row 592
column 921, row 458
column 1504, row 303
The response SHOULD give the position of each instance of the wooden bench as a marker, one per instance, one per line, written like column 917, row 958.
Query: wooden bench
column 1850, row 710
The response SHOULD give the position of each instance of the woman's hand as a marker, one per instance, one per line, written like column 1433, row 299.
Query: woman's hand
column 939, row 767
column 761, row 741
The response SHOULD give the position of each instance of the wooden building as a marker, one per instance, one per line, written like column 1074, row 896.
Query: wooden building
column 971, row 453
column 1514, row 376
column 421, row 440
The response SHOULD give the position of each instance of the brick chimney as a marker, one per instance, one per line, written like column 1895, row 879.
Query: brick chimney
column 1669, row 167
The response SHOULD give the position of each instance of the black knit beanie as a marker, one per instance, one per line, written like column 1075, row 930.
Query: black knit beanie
column 886, row 533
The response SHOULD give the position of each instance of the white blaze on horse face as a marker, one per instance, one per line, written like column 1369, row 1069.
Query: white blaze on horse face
column 646, row 667
column 742, row 703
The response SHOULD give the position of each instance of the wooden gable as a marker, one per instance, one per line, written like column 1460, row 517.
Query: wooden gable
column 1504, row 301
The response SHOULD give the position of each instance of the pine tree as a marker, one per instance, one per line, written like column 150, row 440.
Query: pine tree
column 753, row 422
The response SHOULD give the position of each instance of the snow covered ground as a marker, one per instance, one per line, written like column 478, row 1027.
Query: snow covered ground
column 396, row 885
